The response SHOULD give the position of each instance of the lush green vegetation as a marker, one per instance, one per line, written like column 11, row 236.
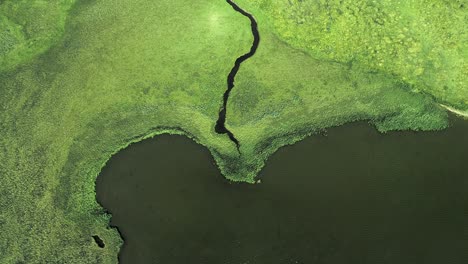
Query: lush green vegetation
column 123, row 71
column 324, row 63
column 311, row 95
column 28, row 28
column 82, row 80
column 423, row 42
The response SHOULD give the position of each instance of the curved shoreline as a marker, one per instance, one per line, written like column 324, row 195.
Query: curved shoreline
column 458, row 112
column 220, row 126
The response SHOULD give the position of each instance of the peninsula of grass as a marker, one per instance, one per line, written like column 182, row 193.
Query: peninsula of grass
column 81, row 80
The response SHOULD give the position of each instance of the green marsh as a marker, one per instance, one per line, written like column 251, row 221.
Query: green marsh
column 81, row 80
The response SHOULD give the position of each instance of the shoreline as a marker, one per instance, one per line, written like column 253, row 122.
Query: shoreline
column 463, row 114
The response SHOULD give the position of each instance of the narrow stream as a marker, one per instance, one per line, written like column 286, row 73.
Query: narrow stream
column 220, row 127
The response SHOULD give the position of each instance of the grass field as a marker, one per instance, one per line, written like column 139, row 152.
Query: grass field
column 80, row 81
column 324, row 63
column 423, row 42
column 122, row 71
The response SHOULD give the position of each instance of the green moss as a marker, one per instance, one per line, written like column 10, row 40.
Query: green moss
column 422, row 42
column 29, row 28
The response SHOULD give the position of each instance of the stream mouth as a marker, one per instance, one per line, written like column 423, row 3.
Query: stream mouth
column 220, row 127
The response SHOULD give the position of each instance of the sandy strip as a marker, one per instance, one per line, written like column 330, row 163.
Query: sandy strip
column 456, row 111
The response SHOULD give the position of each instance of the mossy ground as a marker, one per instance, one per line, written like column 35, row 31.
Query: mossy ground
column 123, row 71
column 91, row 77
column 423, row 42
column 313, row 70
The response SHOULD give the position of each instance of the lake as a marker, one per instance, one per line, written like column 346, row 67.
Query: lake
column 352, row 196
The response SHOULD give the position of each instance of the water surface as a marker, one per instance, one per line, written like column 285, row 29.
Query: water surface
column 353, row 196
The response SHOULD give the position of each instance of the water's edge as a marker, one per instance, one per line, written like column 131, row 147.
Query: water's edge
column 461, row 113
column 267, row 196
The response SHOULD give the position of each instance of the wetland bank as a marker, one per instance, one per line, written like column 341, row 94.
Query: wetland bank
column 81, row 80
column 352, row 196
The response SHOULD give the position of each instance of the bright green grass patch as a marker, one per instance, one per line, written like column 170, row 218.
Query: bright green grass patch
column 422, row 42
column 29, row 27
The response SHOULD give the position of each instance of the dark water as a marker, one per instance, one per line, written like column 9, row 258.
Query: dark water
column 354, row 196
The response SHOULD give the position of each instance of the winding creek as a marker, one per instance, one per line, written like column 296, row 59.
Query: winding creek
column 220, row 127
column 353, row 196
